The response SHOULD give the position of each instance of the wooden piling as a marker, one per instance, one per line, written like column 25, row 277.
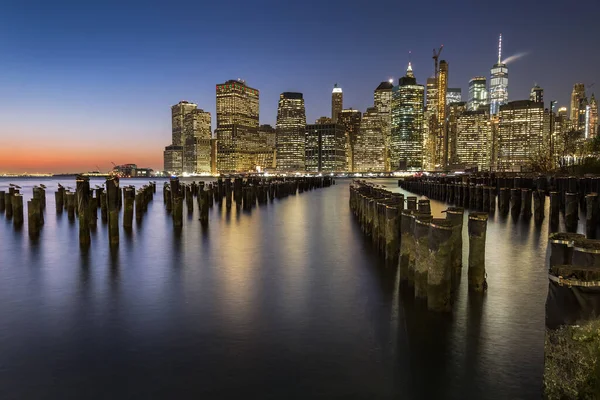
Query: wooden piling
column 571, row 211
column 8, row 203
column 439, row 286
column 477, row 227
column 83, row 207
column 129, row 197
column 411, row 203
column 392, row 233
column 177, row 202
column 591, row 216
column 33, row 223
column 71, row 204
column 515, row 202
column 17, row 209
column 2, row 201
column 203, row 196
column 539, row 203
column 561, row 247
column 112, row 206
column 456, row 216
column 504, row 200
column 421, row 238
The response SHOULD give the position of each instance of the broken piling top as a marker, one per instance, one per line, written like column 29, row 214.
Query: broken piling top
column 478, row 216
column 566, row 238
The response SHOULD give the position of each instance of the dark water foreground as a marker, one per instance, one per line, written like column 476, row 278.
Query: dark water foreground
column 288, row 301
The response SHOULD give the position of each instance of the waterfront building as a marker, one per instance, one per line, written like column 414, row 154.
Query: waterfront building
column 473, row 136
column 442, row 86
column 173, row 159
column 520, row 134
column 196, row 141
column 337, row 102
column 498, row 83
column 350, row 119
column 537, row 94
column 592, row 117
column 178, row 114
column 382, row 100
column 454, row 111
column 478, row 94
column 577, row 97
column 290, row 132
column 369, row 148
column 237, row 126
column 406, row 145
column 431, row 104
column 324, row 148
column 453, row 95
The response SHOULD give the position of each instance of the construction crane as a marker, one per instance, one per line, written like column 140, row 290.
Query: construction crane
column 436, row 56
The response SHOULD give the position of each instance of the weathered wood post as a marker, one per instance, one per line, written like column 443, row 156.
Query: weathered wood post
column 539, row 203
column 415, row 217
column 504, row 200
column 103, row 207
column 411, row 203
column 8, row 202
column 456, row 216
column 203, row 198
column 486, row 198
column 189, row 199
column 439, row 276
column 421, row 238
column 392, row 233
column 168, row 198
column 71, row 201
column 406, row 242
column 424, row 206
column 2, row 201
column 554, row 210
column 130, row 196
column 112, row 206
column 17, row 209
column 83, row 207
column 591, row 216
column 93, row 210
column 59, row 199
column 33, row 222
column 515, row 201
column 492, row 199
column 561, row 247
column 571, row 212
column 477, row 232
column 526, row 203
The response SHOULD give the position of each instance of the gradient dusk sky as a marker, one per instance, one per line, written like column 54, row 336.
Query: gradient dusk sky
column 84, row 83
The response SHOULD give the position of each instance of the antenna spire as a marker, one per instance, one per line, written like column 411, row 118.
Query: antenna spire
column 500, row 49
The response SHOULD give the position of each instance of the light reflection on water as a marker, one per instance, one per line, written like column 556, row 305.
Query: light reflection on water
column 286, row 301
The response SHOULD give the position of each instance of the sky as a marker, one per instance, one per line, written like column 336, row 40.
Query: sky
column 87, row 83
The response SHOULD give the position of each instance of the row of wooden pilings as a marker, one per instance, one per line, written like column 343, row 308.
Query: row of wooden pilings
column 81, row 205
column 427, row 251
column 522, row 196
column 245, row 192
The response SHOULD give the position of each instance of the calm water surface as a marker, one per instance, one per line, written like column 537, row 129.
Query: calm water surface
column 287, row 301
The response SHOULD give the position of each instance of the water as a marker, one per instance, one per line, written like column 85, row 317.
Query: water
column 288, row 301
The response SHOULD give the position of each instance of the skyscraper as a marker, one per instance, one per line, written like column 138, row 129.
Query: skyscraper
column 455, row 110
column 349, row 119
column 593, row 116
column 407, row 123
column 520, row 134
column 498, row 83
column 324, row 148
column 577, row 96
column 442, row 86
column 537, row 94
column 369, row 149
column 337, row 102
column 290, row 132
column 453, row 95
column 237, row 125
column 478, row 95
column 382, row 100
column 431, row 100
column 174, row 153
column 474, row 131
column 196, row 141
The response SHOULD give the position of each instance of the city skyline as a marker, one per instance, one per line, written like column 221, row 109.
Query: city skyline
column 122, row 81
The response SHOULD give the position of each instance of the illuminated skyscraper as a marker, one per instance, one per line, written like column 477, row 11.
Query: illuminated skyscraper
column 383, row 104
column 454, row 111
column 537, row 94
column 442, row 86
column 196, row 141
column 407, row 123
column 337, row 102
column 324, row 148
column 349, row 119
column 453, row 95
column 478, row 95
column 432, row 88
column 174, row 154
column 520, row 134
column 291, row 125
column 593, row 116
column 237, row 126
column 473, row 135
column 498, row 83
column 369, row 149
column 577, row 97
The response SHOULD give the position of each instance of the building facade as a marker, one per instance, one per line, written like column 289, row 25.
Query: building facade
column 453, row 95
column 473, row 136
column 337, row 102
column 406, row 147
column 350, row 119
column 324, row 148
column 382, row 100
column 593, row 116
column 520, row 134
column 577, row 98
column 290, row 132
column 196, row 141
column 498, row 83
column 369, row 148
column 173, row 159
column 478, row 94
column 536, row 94
column 237, row 126
column 454, row 111
column 178, row 115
